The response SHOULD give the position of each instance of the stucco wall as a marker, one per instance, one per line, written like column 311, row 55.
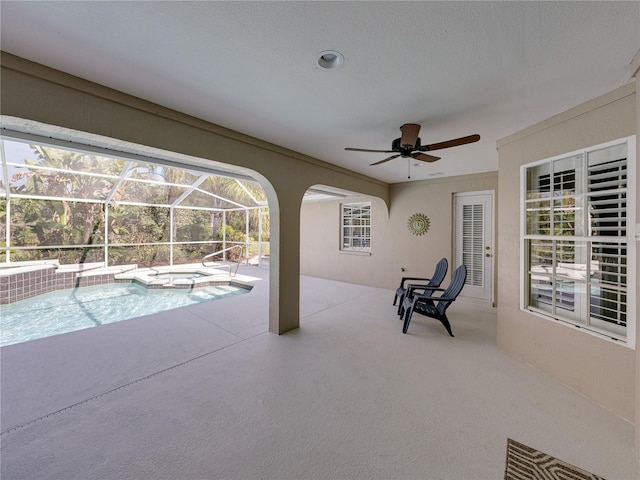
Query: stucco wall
column 635, row 71
column 600, row 369
column 392, row 245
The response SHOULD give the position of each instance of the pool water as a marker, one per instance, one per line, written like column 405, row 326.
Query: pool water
column 65, row 311
column 175, row 276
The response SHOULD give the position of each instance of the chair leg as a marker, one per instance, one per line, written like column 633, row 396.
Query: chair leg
column 407, row 319
column 395, row 299
column 445, row 321
column 401, row 306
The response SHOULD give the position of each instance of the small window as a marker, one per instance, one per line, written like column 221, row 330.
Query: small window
column 576, row 242
column 356, row 227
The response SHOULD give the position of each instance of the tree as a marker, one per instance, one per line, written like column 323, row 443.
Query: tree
column 71, row 194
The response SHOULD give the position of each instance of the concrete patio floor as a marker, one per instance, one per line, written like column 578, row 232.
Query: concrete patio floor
column 206, row 392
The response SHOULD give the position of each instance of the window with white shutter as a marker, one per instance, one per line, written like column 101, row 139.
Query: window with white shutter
column 356, row 227
column 576, row 243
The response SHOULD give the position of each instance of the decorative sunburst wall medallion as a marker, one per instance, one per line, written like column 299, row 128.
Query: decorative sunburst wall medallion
column 418, row 224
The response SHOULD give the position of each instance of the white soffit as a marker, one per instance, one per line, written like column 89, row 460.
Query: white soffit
column 456, row 68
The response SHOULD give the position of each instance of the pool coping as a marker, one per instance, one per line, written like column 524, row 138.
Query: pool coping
column 147, row 277
column 29, row 279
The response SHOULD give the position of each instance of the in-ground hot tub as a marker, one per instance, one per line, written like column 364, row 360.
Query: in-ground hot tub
column 177, row 276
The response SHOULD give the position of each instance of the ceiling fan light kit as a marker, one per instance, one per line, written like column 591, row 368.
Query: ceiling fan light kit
column 410, row 146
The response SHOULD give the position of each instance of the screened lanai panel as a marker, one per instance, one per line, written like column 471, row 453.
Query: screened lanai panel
column 254, row 191
column 142, row 255
column 17, row 153
column 197, row 225
column 3, row 221
column 161, row 173
column 130, row 224
column 240, row 192
column 201, row 199
column 36, row 222
column 155, row 184
column 76, row 204
column 64, row 255
column 36, row 170
column 137, row 191
column 87, row 163
column 58, row 184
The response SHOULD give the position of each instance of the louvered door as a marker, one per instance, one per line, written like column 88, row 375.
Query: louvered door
column 474, row 242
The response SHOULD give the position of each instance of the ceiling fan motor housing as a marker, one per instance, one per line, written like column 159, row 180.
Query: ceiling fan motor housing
column 397, row 146
column 409, row 135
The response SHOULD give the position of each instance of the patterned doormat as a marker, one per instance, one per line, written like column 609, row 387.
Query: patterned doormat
column 526, row 463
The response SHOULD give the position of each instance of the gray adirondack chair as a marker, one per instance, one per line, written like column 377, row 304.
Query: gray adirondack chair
column 435, row 306
column 426, row 283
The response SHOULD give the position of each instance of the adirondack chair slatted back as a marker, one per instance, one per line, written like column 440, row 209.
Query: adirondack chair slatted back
column 439, row 274
column 454, row 288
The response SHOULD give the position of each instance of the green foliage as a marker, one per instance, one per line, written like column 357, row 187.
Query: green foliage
column 3, row 220
column 233, row 235
column 46, row 222
column 195, row 225
column 80, row 216
column 138, row 224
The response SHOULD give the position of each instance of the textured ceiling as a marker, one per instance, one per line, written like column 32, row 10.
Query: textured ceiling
column 456, row 68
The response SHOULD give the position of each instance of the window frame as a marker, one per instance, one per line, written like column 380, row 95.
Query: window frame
column 585, row 238
column 365, row 238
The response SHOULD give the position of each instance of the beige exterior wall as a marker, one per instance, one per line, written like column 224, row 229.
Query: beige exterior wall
column 34, row 92
column 392, row 245
column 635, row 72
column 600, row 369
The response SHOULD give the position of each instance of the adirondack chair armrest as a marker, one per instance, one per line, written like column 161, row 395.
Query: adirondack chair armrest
column 412, row 287
column 404, row 279
column 436, row 289
column 433, row 298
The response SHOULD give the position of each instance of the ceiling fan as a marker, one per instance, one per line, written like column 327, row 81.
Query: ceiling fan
column 409, row 146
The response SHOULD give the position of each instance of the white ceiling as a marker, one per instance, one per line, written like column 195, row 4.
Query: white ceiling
column 456, row 68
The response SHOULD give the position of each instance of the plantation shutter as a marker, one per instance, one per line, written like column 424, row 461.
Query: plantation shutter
column 607, row 202
column 473, row 242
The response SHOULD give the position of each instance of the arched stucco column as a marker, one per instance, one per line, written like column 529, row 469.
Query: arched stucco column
column 284, row 270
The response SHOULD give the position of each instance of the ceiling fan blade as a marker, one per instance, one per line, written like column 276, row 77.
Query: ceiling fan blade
column 423, row 157
column 409, row 134
column 450, row 143
column 385, row 160
column 367, row 150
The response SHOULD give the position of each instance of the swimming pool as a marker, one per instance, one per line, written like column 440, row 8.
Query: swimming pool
column 175, row 276
column 68, row 310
